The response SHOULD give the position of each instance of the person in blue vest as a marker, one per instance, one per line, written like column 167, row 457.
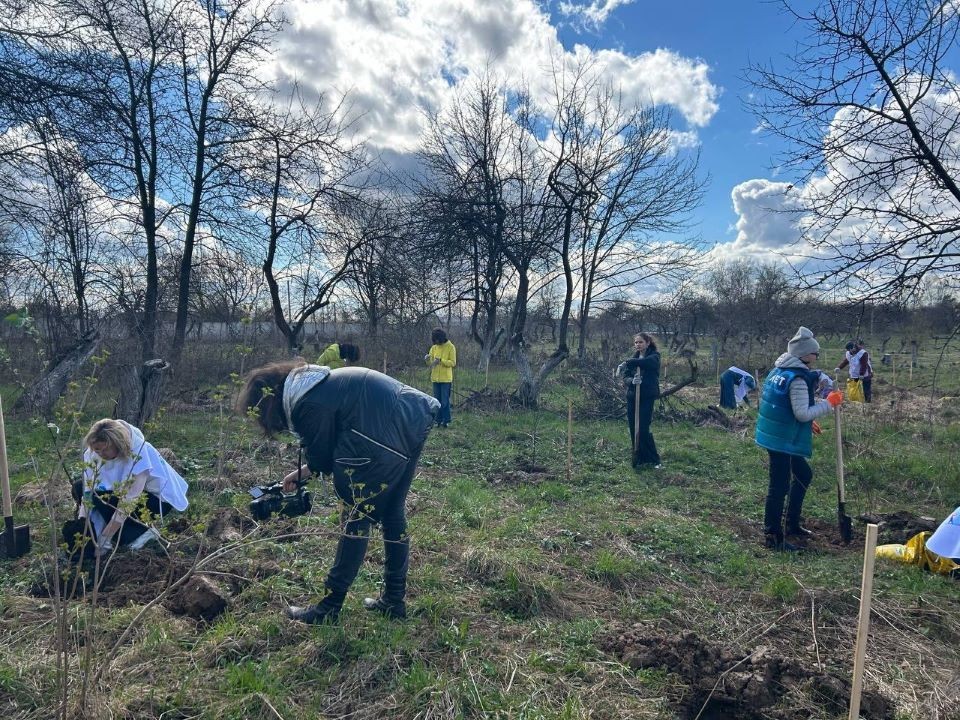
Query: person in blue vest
column 785, row 428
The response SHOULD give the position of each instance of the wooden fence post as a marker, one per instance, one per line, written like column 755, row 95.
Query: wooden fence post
column 863, row 624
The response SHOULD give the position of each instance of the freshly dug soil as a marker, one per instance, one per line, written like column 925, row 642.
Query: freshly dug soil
column 736, row 684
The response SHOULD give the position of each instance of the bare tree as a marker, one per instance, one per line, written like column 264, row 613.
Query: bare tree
column 868, row 106
column 644, row 189
column 465, row 158
column 218, row 45
column 297, row 169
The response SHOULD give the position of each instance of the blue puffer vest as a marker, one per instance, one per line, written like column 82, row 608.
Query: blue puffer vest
column 777, row 428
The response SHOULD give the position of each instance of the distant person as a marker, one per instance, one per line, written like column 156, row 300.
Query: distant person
column 785, row 427
column 442, row 359
column 825, row 384
column 338, row 355
column 735, row 385
column 857, row 360
column 367, row 430
column 126, row 483
column 641, row 374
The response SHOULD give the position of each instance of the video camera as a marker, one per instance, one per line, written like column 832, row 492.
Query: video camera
column 272, row 500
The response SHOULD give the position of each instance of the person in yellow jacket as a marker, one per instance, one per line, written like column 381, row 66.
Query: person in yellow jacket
column 442, row 359
column 338, row 355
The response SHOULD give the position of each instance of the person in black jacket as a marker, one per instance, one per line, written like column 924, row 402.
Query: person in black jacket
column 642, row 376
column 367, row 430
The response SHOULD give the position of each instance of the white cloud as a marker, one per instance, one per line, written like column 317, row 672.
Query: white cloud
column 591, row 14
column 397, row 59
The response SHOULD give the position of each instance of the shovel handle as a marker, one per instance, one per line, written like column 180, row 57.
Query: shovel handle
column 841, row 496
column 4, row 472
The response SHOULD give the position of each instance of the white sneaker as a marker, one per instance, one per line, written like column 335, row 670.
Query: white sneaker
column 148, row 535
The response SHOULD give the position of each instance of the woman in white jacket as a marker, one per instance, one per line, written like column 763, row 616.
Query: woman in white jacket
column 126, row 483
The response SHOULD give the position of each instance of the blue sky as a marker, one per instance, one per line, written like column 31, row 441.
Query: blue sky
column 396, row 58
column 727, row 35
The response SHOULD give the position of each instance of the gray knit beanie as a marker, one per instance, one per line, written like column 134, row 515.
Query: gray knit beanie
column 803, row 343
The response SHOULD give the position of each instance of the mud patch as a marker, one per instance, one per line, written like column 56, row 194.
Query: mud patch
column 898, row 527
column 227, row 525
column 200, row 598
column 736, row 684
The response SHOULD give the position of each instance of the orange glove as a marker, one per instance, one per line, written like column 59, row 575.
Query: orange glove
column 835, row 398
column 816, row 428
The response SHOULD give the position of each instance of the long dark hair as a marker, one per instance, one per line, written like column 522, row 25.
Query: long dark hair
column 438, row 336
column 262, row 394
column 651, row 343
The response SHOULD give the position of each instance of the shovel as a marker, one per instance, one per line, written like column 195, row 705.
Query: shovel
column 14, row 541
column 844, row 522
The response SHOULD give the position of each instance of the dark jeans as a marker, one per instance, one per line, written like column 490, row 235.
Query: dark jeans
column 105, row 504
column 441, row 391
column 781, row 488
column 646, row 447
column 390, row 513
column 867, row 388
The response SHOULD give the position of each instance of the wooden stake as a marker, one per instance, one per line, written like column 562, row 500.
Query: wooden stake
column 893, row 364
column 863, row 623
column 486, row 381
column 718, row 368
column 384, row 363
column 569, row 439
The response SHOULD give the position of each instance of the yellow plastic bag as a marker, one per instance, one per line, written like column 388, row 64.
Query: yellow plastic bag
column 855, row 391
column 915, row 553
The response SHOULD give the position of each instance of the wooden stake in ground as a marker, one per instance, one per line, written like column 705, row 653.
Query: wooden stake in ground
column 569, row 439
column 893, row 364
column 863, row 624
column 8, row 535
column 384, row 363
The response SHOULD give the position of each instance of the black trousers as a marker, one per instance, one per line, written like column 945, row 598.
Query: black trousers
column 867, row 388
column 781, row 488
column 646, row 446
column 105, row 504
column 388, row 511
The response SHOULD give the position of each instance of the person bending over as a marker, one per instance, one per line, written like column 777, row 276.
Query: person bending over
column 367, row 430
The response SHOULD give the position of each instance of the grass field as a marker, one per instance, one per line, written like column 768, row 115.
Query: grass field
column 605, row 594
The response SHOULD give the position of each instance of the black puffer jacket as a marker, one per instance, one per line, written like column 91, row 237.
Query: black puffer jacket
column 649, row 368
column 363, row 427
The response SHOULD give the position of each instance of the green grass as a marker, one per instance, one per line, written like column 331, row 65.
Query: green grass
column 517, row 578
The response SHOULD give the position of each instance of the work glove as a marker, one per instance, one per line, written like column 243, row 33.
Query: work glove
column 835, row 398
column 816, row 428
column 636, row 379
column 426, row 358
column 622, row 369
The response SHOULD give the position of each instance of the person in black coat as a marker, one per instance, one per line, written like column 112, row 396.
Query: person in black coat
column 642, row 376
column 367, row 430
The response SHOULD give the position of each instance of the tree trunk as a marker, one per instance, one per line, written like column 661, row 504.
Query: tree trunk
column 40, row 398
column 141, row 388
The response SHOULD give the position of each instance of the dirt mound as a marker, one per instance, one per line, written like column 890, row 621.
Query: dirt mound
column 898, row 527
column 228, row 525
column 737, row 685
column 200, row 598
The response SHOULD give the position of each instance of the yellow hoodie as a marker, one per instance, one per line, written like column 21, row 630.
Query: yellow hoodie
column 442, row 372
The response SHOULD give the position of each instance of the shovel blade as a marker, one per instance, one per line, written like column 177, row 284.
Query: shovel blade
column 16, row 543
column 845, row 525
